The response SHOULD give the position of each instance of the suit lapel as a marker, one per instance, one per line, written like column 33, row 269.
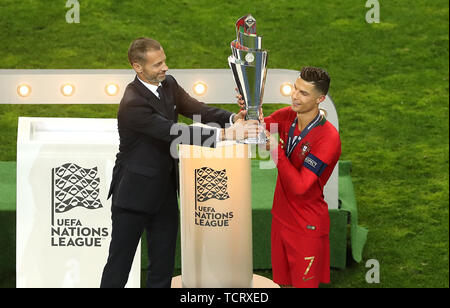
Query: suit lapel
column 168, row 100
column 152, row 99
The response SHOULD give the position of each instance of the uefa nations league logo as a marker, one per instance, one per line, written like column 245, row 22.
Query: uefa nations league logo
column 211, row 184
column 75, row 187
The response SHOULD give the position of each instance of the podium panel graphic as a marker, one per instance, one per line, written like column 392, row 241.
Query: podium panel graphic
column 64, row 168
column 216, row 216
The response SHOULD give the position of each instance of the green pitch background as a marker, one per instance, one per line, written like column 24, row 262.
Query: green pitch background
column 389, row 83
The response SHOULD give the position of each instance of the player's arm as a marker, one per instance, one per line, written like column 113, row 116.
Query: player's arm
column 299, row 181
column 272, row 121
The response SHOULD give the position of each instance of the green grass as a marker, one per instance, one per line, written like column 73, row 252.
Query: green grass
column 390, row 84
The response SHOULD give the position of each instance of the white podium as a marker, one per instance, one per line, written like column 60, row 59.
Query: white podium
column 64, row 168
column 216, row 216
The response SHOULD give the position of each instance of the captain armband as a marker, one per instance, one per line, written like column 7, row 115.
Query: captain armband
column 314, row 164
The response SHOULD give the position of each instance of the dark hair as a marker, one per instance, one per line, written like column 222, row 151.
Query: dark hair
column 316, row 76
column 139, row 47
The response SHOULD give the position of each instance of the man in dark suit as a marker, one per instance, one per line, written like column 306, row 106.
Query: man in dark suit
column 145, row 176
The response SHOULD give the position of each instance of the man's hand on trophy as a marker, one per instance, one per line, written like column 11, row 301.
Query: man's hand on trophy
column 240, row 116
column 241, row 130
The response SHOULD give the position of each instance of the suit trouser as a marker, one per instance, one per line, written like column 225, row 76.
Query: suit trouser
column 127, row 229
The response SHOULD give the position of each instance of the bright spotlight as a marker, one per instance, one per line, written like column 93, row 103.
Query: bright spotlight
column 67, row 89
column 200, row 88
column 286, row 89
column 111, row 89
column 23, row 90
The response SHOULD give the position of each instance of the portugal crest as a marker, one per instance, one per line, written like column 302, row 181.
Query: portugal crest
column 305, row 149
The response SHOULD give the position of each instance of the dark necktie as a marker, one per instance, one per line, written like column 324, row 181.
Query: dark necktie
column 160, row 92
column 163, row 101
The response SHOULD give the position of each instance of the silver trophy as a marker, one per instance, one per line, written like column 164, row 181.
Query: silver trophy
column 249, row 65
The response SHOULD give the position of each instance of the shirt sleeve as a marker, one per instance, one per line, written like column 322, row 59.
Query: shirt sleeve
column 274, row 120
column 298, row 181
column 142, row 119
column 189, row 106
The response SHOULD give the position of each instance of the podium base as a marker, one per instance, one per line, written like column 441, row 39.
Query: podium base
column 258, row 282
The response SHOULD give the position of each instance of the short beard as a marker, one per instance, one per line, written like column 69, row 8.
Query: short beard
column 154, row 79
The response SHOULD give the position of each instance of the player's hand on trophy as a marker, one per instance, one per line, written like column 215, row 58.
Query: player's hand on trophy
column 243, row 112
column 241, row 130
column 240, row 101
column 272, row 141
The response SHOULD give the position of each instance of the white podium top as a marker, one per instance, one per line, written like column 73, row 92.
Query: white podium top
column 67, row 131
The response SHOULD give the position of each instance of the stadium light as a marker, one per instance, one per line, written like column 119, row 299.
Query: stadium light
column 200, row 88
column 112, row 89
column 286, row 89
column 67, row 89
column 23, row 90
column 92, row 86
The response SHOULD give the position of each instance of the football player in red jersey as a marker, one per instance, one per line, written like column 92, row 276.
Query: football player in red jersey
column 306, row 153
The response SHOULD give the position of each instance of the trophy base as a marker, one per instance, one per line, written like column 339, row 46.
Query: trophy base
column 251, row 141
column 262, row 139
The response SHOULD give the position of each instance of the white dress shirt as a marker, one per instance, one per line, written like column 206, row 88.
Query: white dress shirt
column 151, row 87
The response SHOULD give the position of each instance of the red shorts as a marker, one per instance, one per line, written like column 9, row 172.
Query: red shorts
column 298, row 260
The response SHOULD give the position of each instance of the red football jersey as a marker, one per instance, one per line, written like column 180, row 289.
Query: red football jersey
column 298, row 201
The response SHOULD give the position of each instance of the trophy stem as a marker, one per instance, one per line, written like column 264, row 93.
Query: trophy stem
column 253, row 112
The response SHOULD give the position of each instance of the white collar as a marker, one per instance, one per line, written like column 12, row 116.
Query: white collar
column 150, row 86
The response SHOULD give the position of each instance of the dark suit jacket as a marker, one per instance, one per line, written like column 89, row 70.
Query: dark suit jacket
column 144, row 166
